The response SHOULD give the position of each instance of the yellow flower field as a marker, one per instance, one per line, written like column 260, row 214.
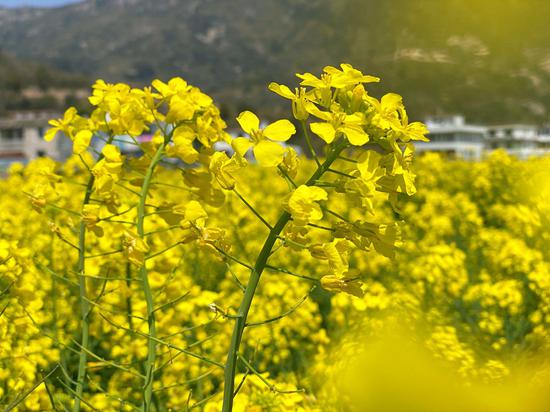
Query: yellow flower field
column 354, row 279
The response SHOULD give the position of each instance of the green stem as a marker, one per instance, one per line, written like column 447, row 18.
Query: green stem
column 129, row 309
column 256, row 213
column 309, row 143
column 152, row 332
column 83, row 295
column 22, row 397
column 256, row 272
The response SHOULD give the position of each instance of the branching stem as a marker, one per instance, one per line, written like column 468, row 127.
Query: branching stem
column 143, row 274
column 254, row 279
column 83, row 294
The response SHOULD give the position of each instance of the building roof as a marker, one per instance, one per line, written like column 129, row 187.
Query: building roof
column 512, row 126
column 26, row 119
column 452, row 124
column 466, row 128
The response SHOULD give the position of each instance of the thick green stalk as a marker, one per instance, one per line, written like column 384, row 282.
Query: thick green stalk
column 256, row 272
column 152, row 332
column 83, row 295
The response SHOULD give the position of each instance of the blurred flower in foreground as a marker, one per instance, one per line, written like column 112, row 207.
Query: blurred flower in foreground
column 395, row 372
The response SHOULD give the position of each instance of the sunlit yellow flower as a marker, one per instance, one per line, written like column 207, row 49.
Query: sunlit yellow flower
column 194, row 211
column 107, row 171
column 263, row 141
column 333, row 77
column 90, row 216
column 336, row 253
column 61, row 125
column 182, row 147
column 337, row 124
column 135, row 248
column 302, row 204
column 82, row 141
column 224, row 169
column 338, row 284
column 38, row 197
column 298, row 98
column 290, row 163
column 388, row 111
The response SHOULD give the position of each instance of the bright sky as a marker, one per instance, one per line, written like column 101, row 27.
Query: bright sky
column 35, row 3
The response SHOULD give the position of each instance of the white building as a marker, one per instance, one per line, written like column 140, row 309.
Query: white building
column 452, row 136
column 543, row 139
column 521, row 140
column 22, row 138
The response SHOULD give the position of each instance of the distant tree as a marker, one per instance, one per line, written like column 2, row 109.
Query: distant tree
column 44, row 78
column 13, row 81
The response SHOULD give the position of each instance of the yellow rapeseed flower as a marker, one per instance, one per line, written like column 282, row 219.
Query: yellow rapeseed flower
column 267, row 151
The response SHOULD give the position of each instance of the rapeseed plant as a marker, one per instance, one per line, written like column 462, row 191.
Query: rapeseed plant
column 216, row 283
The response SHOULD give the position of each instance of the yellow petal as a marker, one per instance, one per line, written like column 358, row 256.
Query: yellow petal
column 111, row 153
column 367, row 164
column 356, row 135
column 241, row 145
column 183, row 148
column 281, row 90
column 324, row 130
column 82, row 141
column 416, row 131
column 309, row 79
column 302, row 204
column 249, row 121
column 177, row 84
column 355, row 119
column 331, row 70
column 180, row 109
column 69, row 115
column 194, row 211
column 315, row 111
column 50, row 134
column 281, row 130
column 338, row 284
column 310, row 193
column 161, row 87
column 268, row 154
column 391, row 101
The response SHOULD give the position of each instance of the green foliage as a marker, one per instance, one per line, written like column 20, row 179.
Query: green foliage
column 17, row 75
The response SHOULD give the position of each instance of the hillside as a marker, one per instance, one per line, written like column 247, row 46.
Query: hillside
column 26, row 85
column 489, row 61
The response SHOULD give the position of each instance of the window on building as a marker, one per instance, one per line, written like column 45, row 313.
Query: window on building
column 441, row 137
column 40, row 153
column 12, row 134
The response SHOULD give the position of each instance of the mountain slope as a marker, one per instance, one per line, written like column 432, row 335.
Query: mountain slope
column 489, row 61
column 26, row 85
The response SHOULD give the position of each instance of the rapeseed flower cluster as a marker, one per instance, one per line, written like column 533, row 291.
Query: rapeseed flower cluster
column 141, row 283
